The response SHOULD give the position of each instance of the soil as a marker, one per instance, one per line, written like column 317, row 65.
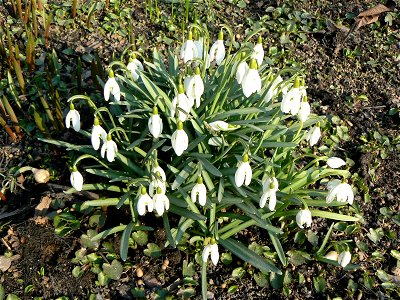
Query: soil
column 335, row 83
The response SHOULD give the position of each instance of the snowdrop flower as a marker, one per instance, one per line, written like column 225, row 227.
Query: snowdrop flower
column 335, row 162
column 159, row 172
column 112, row 87
column 76, row 179
column 241, row 70
column 251, row 82
column 292, row 99
column 303, row 218
column 179, row 140
column 258, row 54
column 180, row 101
column 243, row 173
column 98, row 133
column 344, row 258
column 313, row 135
column 73, row 117
column 135, row 67
column 332, row 255
column 273, row 90
column 213, row 249
column 110, row 147
column 194, row 87
column 161, row 202
column 144, row 201
column 217, row 51
column 156, row 183
column 199, row 191
column 342, row 191
column 155, row 123
column 188, row 49
column 219, row 126
column 270, row 186
column 304, row 110
column 198, row 42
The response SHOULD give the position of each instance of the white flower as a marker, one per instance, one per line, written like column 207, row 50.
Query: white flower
column 199, row 46
column 241, row 71
column 335, row 162
column 342, row 191
column 199, row 191
column 155, row 184
column 161, row 202
column 112, row 87
column 73, row 117
column 273, row 90
column 243, row 173
column 194, row 87
column 155, row 123
column 270, row 186
column 144, row 201
column 313, row 135
column 135, row 67
column 251, row 82
column 219, row 126
column 213, row 249
column 291, row 101
column 217, row 51
column 303, row 218
column 344, row 258
column 188, row 49
column 332, row 255
column 158, row 171
column 258, row 51
column 98, row 133
column 180, row 103
column 304, row 110
column 110, row 147
column 179, row 140
column 76, row 179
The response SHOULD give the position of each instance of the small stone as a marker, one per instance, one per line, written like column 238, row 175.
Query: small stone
column 139, row 272
column 210, row 295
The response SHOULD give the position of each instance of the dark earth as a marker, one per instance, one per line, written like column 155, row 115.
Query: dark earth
column 357, row 80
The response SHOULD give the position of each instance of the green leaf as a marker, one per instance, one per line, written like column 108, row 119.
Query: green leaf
column 319, row 284
column 375, row 234
column 153, row 250
column 333, row 216
column 249, row 256
column 125, row 242
column 210, row 167
column 238, row 273
column 116, row 229
column 276, row 280
column 168, row 231
column 181, row 177
column 298, row 258
column 113, row 270
column 140, row 237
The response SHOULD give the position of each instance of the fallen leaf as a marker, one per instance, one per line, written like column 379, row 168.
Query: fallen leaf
column 43, row 206
column 370, row 15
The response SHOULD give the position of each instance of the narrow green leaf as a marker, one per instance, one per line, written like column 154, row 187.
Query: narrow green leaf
column 249, row 256
column 181, row 177
column 125, row 241
column 184, row 212
column 168, row 232
column 210, row 167
column 334, row 216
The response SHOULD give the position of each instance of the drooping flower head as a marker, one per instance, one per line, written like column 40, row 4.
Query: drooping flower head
column 304, row 110
column 179, row 139
column 73, row 117
column 292, row 99
column 144, row 202
column 161, row 202
column 251, row 82
column 344, row 258
column 243, row 173
column 188, row 49
column 341, row 191
column 303, row 218
column 258, row 51
column 217, row 51
column 199, row 192
column 155, row 123
column 194, row 87
column 112, row 87
column 335, row 162
column 135, row 67
column 181, row 104
column 198, row 42
column 270, row 186
column 242, row 68
column 158, row 181
column 110, row 147
column 213, row 250
column 98, row 134
column 76, row 179
column 313, row 135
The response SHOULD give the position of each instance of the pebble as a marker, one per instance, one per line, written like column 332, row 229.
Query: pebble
column 139, row 272
column 5, row 263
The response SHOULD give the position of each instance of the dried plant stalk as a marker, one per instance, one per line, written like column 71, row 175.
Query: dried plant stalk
column 12, row 116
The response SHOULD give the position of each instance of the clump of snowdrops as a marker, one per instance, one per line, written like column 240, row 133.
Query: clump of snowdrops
column 219, row 138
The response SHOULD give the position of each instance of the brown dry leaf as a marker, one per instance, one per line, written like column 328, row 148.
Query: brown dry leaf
column 370, row 15
column 43, row 206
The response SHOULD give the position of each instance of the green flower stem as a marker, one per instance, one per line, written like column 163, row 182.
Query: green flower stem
column 116, row 129
column 326, row 239
column 298, row 132
column 84, row 156
column 212, row 227
column 133, row 212
column 98, row 111
column 204, row 280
